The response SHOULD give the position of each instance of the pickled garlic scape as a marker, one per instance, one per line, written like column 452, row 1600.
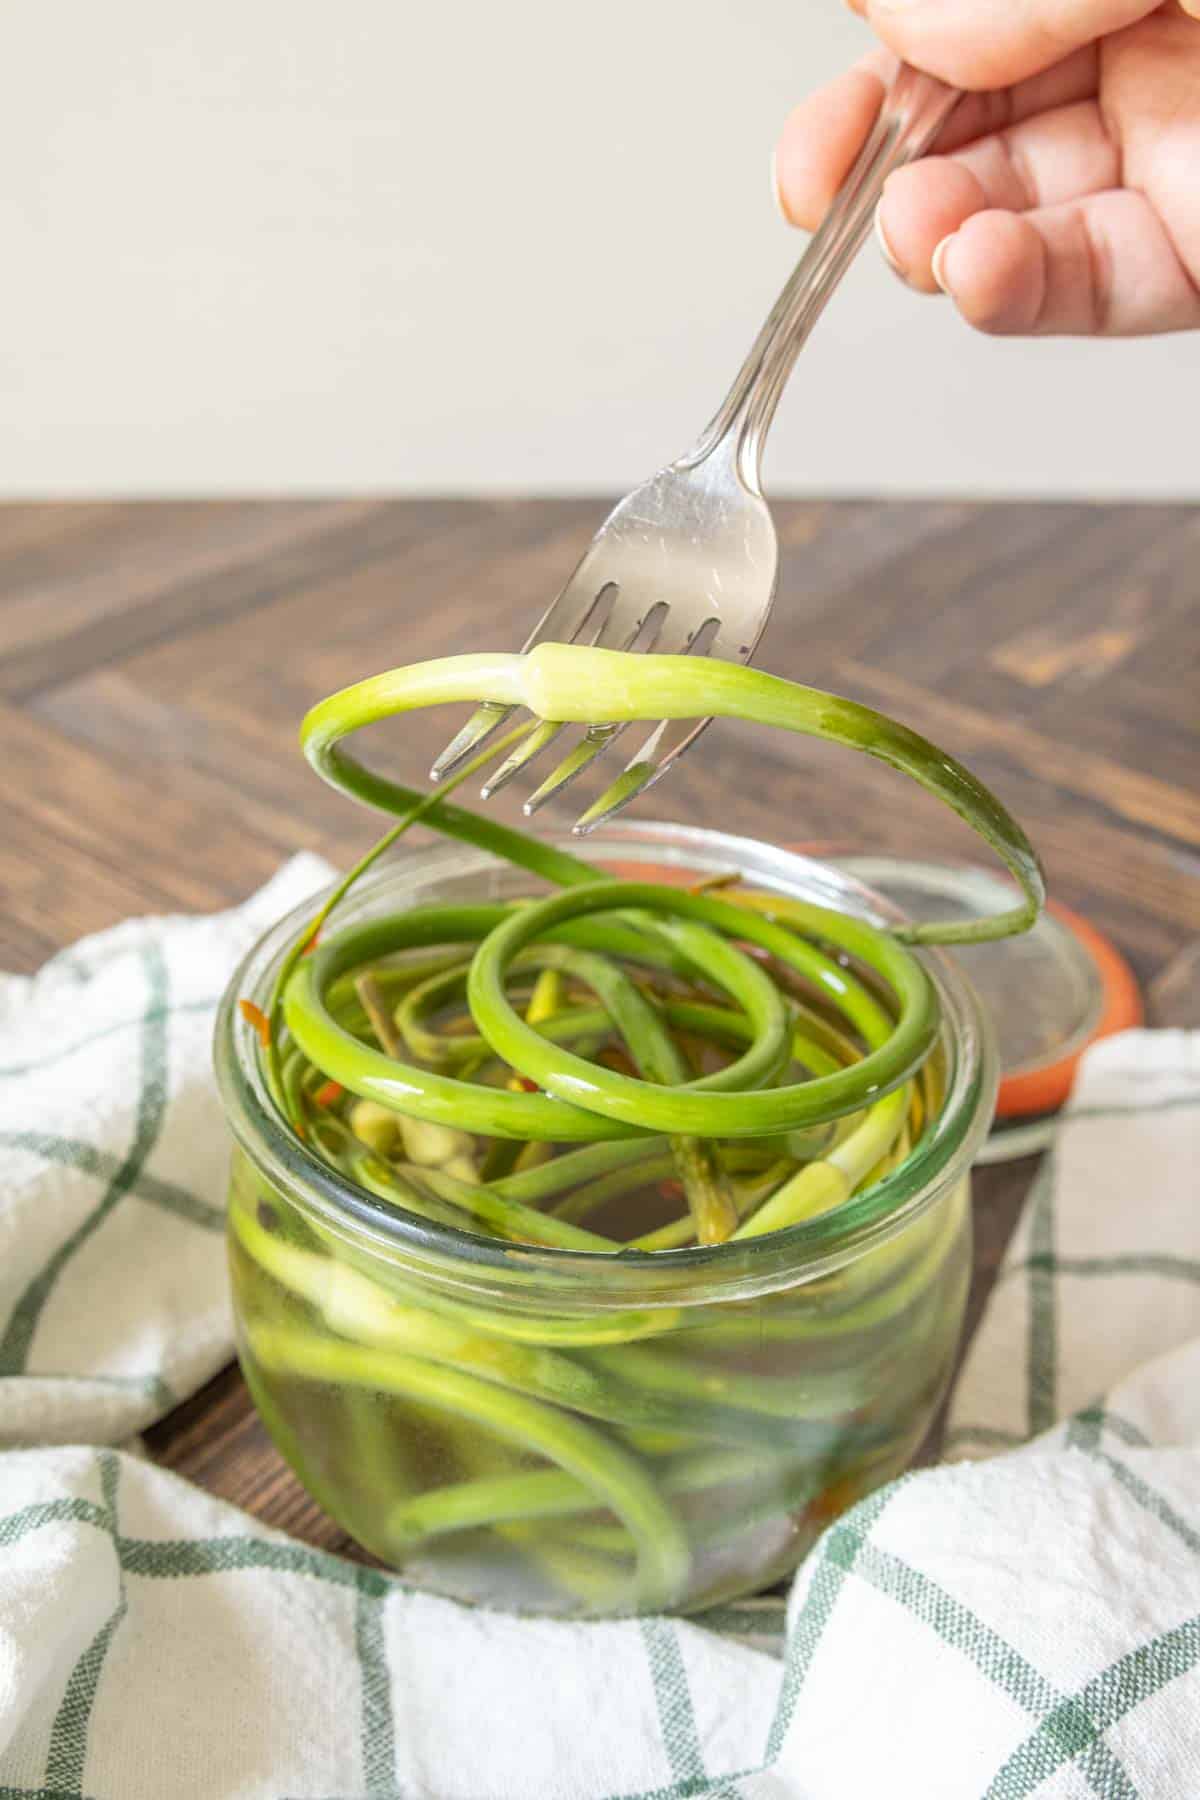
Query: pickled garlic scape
column 605, row 1080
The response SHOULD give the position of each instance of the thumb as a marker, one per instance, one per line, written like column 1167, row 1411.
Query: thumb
column 992, row 43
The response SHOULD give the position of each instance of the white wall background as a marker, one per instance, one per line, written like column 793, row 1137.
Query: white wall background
column 330, row 244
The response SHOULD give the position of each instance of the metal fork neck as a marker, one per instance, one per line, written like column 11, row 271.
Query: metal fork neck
column 913, row 113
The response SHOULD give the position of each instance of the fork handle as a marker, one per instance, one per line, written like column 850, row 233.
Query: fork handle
column 913, row 112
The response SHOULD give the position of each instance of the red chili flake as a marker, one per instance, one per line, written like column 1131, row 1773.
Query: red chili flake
column 254, row 1015
column 711, row 883
column 329, row 1093
column 835, row 1499
column 526, row 1086
column 312, row 943
column 671, row 1190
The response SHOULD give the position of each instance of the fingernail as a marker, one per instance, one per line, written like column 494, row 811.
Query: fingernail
column 938, row 263
column 776, row 191
column 889, row 255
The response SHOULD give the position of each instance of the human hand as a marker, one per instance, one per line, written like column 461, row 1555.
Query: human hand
column 1064, row 194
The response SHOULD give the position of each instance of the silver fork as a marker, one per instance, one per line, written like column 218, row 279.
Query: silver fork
column 687, row 563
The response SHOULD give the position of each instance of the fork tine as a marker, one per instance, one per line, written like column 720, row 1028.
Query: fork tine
column 647, row 767
column 482, row 723
column 524, row 753
column 576, row 606
column 637, row 776
column 652, row 760
column 594, row 742
column 622, row 632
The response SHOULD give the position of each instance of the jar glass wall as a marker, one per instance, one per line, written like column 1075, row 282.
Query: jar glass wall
column 582, row 1434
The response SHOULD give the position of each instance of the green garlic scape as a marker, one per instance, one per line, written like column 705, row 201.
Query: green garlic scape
column 414, row 1124
column 591, row 952
column 617, row 1066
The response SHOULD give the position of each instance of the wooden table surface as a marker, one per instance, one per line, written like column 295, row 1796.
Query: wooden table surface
column 155, row 661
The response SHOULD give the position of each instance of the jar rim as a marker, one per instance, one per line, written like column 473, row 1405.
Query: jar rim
column 739, row 1269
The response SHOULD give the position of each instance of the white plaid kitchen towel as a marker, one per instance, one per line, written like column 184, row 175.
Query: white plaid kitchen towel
column 1024, row 1624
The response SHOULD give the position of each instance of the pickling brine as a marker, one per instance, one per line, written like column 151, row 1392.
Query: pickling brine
column 578, row 1430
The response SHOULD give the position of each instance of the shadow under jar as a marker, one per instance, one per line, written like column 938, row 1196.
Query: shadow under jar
column 581, row 1434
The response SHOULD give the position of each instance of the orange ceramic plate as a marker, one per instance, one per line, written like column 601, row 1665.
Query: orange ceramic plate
column 1045, row 1088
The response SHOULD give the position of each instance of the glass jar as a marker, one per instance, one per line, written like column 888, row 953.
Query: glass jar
column 585, row 1435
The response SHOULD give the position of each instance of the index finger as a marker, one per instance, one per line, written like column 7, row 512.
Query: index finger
column 993, row 43
column 822, row 136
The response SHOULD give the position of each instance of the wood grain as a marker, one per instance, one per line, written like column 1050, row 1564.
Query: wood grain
column 155, row 661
